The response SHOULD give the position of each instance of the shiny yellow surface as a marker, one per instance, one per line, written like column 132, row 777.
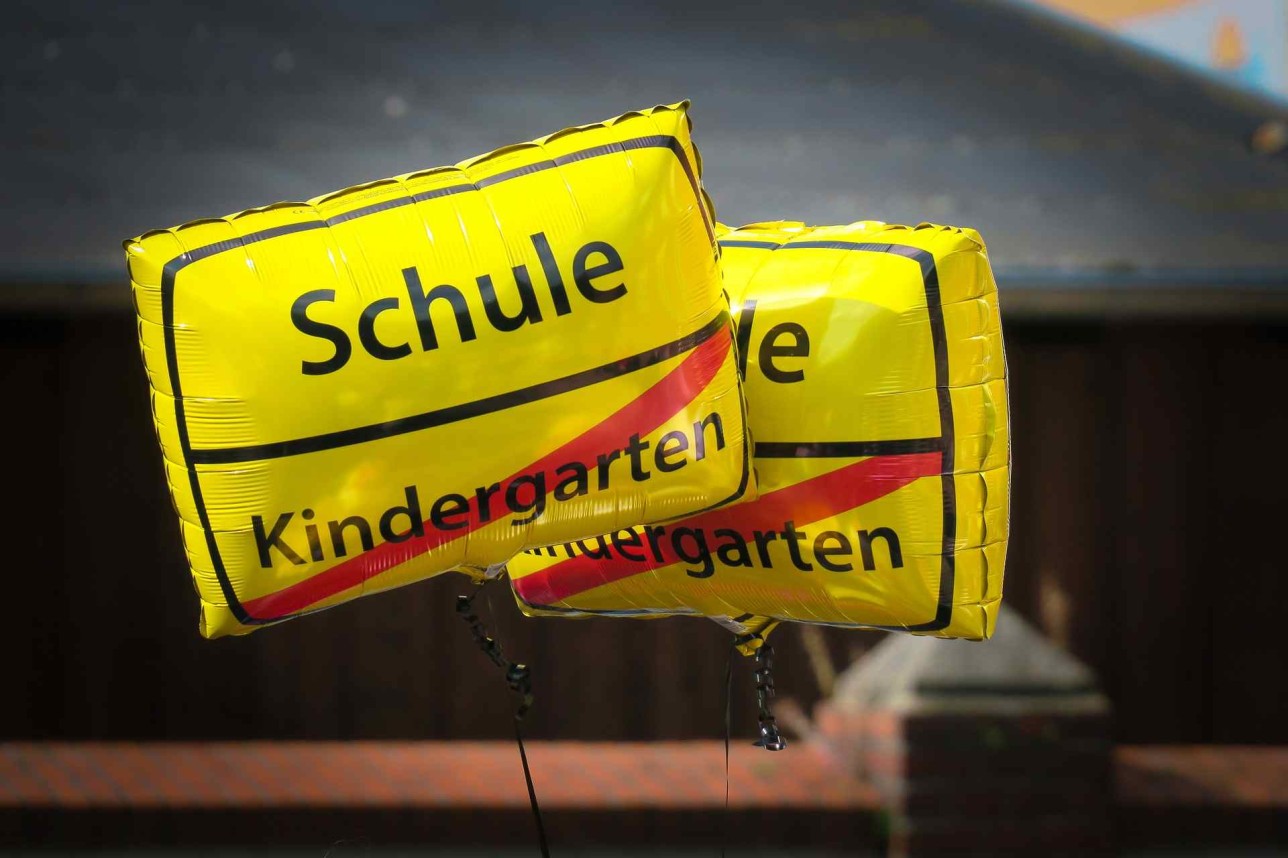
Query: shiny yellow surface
column 876, row 394
column 438, row 370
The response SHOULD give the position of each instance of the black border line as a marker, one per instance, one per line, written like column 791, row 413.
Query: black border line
column 653, row 141
column 465, row 410
column 944, row 444
column 171, row 270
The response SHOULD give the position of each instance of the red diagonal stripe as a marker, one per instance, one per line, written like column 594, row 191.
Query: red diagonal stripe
column 811, row 500
column 643, row 415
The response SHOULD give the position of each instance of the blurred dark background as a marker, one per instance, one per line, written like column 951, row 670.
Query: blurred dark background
column 1135, row 212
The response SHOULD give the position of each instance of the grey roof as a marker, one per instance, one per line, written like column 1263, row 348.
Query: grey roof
column 1083, row 163
column 1015, row 670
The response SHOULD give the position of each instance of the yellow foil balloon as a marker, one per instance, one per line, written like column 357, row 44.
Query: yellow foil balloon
column 876, row 393
column 440, row 369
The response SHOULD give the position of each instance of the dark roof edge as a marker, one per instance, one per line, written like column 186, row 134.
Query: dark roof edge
column 63, row 298
column 1021, row 301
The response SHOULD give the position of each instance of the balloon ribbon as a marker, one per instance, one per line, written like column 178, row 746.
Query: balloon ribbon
column 519, row 678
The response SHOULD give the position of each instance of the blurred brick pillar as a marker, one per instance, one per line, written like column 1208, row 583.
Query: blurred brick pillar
column 983, row 748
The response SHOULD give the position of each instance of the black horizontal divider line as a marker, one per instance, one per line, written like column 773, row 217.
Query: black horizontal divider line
column 171, row 270
column 466, row 410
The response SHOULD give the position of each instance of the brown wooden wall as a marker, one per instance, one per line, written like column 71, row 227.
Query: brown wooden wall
column 1149, row 504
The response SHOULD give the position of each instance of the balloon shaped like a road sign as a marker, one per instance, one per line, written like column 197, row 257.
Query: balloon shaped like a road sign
column 876, row 394
column 435, row 371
